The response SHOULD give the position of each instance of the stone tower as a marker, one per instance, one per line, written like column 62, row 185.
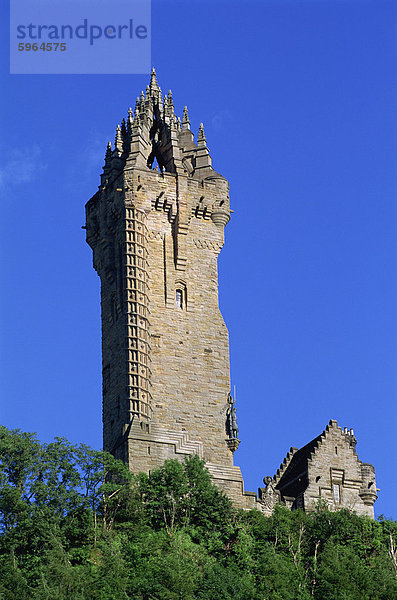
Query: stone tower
column 156, row 227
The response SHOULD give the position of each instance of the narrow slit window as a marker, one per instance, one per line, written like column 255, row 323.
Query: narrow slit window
column 179, row 299
column 336, row 493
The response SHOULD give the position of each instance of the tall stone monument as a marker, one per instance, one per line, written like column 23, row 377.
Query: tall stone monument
column 156, row 227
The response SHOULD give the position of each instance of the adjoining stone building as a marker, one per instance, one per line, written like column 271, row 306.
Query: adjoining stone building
column 156, row 227
column 326, row 469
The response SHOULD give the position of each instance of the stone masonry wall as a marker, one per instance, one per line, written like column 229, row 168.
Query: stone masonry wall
column 335, row 474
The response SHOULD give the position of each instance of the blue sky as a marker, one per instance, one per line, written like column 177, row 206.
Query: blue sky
column 298, row 102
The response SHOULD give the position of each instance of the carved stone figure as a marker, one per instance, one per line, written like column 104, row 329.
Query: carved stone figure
column 231, row 419
column 269, row 496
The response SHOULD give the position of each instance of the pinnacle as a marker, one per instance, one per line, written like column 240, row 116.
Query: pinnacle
column 118, row 143
column 108, row 154
column 185, row 119
column 153, row 80
column 201, row 135
column 130, row 121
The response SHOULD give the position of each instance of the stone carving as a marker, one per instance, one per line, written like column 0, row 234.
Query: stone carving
column 269, row 495
column 205, row 244
column 231, row 419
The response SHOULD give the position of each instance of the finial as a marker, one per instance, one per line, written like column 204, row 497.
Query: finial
column 108, row 154
column 130, row 119
column 178, row 124
column 185, row 120
column 108, row 157
column 201, row 136
column 153, row 80
column 123, row 129
column 118, row 143
column 142, row 97
column 170, row 100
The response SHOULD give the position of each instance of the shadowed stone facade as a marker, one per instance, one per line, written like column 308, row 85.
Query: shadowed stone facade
column 156, row 227
column 326, row 469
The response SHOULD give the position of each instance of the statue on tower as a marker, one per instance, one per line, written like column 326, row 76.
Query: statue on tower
column 231, row 424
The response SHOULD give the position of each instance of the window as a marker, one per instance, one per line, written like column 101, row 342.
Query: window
column 181, row 295
column 179, row 299
column 336, row 493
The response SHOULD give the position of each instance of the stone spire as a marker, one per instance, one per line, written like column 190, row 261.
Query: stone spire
column 108, row 159
column 185, row 120
column 123, row 130
column 201, row 141
column 153, row 81
column 108, row 154
column 130, row 121
column 170, row 106
column 118, row 142
column 203, row 159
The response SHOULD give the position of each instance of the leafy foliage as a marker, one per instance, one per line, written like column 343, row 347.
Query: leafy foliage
column 77, row 525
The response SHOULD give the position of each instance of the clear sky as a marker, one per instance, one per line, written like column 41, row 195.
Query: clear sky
column 298, row 100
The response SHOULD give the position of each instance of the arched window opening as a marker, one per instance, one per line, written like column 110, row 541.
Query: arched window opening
column 155, row 165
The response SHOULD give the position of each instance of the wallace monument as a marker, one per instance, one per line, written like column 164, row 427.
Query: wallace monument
column 156, row 227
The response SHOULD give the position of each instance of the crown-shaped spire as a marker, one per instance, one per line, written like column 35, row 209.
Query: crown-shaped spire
column 153, row 128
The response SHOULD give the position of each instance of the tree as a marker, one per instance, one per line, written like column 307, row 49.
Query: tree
column 75, row 524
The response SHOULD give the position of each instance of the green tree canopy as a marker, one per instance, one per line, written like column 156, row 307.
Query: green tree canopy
column 77, row 525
